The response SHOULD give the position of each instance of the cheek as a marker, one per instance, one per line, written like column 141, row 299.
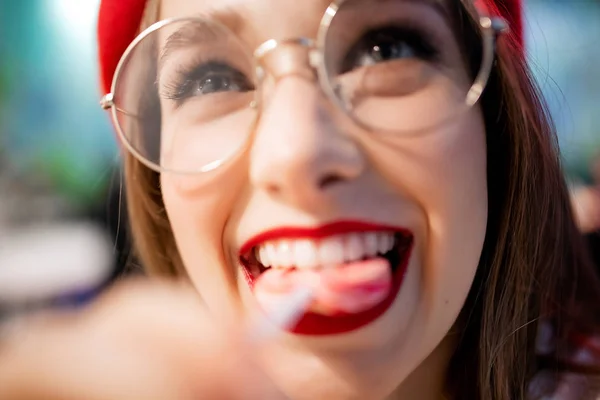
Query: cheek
column 457, row 213
column 198, row 210
column 444, row 172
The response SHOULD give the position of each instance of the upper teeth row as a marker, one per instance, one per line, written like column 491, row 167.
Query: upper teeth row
column 326, row 252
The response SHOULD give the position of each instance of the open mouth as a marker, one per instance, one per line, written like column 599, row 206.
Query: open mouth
column 357, row 268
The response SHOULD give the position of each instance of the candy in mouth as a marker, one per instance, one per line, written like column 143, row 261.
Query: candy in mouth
column 350, row 273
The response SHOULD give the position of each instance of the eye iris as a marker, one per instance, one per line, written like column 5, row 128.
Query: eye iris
column 205, row 79
column 217, row 84
column 388, row 44
column 389, row 49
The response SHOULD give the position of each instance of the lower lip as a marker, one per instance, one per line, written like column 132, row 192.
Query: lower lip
column 318, row 325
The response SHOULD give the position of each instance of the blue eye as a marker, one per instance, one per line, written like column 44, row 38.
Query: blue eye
column 216, row 83
column 206, row 79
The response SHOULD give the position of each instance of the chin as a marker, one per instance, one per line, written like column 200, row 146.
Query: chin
column 369, row 362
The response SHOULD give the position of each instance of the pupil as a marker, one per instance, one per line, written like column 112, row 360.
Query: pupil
column 389, row 50
column 214, row 84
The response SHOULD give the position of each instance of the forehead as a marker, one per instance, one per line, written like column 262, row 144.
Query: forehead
column 243, row 10
column 281, row 18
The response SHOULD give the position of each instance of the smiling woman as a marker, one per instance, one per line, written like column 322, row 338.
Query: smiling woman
column 392, row 157
column 311, row 117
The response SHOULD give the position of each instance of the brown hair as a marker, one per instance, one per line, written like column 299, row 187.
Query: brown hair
column 533, row 265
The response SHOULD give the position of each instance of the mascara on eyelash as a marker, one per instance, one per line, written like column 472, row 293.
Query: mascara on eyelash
column 178, row 90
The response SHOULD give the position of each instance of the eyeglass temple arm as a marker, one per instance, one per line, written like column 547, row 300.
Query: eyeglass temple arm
column 108, row 101
column 492, row 28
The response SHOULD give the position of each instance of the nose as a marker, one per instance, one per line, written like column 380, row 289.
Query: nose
column 299, row 154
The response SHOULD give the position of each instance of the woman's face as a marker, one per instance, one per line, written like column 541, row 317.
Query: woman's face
column 310, row 183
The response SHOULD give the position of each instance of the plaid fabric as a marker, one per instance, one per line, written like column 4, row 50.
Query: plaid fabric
column 584, row 352
column 549, row 385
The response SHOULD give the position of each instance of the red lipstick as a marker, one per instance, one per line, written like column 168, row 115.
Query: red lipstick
column 320, row 324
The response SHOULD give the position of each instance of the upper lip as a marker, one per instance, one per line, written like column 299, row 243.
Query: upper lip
column 330, row 229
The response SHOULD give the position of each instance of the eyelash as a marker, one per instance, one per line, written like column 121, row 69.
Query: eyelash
column 178, row 88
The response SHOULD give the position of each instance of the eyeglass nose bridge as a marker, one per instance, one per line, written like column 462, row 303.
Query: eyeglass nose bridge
column 301, row 57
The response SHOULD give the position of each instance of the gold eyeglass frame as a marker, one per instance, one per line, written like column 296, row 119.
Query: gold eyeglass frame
column 490, row 29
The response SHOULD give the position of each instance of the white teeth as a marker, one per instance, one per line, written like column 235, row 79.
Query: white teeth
column 391, row 242
column 283, row 254
column 263, row 256
column 271, row 253
column 305, row 253
column 354, row 248
column 385, row 243
column 327, row 252
column 371, row 245
column 331, row 251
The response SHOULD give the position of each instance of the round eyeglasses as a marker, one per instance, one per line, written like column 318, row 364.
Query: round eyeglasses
column 187, row 92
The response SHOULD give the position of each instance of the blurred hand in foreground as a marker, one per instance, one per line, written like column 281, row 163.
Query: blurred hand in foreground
column 142, row 340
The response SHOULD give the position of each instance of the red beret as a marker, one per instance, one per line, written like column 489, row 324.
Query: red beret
column 119, row 22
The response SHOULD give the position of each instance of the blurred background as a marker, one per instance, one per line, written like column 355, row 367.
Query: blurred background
column 59, row 166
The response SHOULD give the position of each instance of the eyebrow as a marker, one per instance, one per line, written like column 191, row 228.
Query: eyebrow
column 438, row 5
column 200, row 29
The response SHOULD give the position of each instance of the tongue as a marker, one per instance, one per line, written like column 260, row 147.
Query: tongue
column 345, row 289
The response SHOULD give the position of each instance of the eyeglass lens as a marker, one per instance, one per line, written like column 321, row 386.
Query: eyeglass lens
column 184, row 92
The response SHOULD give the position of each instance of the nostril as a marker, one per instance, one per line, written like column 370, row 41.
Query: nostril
column 329, row 180
column 326, row 181
column 272, row 188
